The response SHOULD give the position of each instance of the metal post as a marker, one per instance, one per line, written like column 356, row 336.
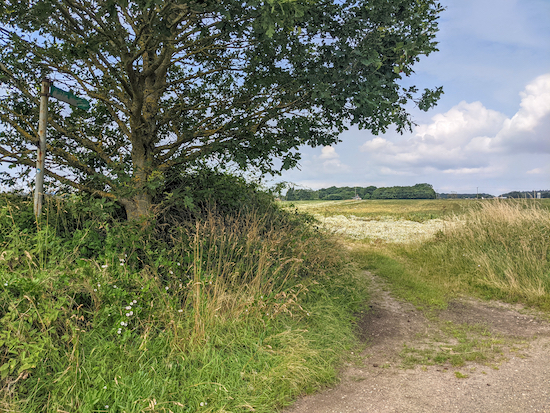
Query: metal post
column 42, row 125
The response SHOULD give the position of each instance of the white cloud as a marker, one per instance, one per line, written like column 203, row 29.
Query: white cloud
column 529, row 129
column 468, row 138
column 328, row 152
column 328, row 162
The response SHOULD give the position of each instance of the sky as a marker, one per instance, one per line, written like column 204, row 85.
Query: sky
column 489, row 133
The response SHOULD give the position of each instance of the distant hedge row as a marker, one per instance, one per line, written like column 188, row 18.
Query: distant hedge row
column 418, row 191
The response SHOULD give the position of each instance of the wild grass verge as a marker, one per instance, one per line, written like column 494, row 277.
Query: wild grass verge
column 238, row 312
column 496, row 249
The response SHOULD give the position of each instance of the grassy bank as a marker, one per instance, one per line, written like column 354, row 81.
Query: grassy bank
column 494, row 249
column 240, row 312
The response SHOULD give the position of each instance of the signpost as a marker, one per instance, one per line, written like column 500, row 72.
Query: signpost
column 69, row 98
column 48, row 89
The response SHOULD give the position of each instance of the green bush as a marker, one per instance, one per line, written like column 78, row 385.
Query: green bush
column 234, row 310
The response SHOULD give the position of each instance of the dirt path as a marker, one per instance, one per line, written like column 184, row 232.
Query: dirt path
column 515, row 378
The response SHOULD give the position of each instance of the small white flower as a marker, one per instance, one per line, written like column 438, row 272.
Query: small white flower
column 178, row 264
column 106, row 406
column 114, row 286
column 180, row 311
column 134, row 302
column 171, row 272
column 210, row 282
column 104, row 387
column 131, row 313
column 122, row 323
column 98, row 285
column 181, row 285
column 95, row 289
column 127, row 314
column 6, row 284
column 104, row 266
column 121, row 259
column 166, row 288
column 308, row 314
column 129, row 307
column 121, row 263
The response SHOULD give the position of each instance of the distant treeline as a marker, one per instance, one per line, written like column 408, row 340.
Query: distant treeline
column 419, row 191
column 513, row 194
column 464, row 196
column 527, row 194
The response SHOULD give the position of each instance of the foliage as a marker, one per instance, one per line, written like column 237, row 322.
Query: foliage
column 233, row 312
column 173, row 83
column 418, row 191
column 453, row 195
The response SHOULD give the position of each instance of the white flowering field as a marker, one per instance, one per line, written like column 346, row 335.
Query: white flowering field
column 392, row 221
column 386, row 229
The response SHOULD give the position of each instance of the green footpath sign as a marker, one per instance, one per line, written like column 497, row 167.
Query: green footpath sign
column 69, row 98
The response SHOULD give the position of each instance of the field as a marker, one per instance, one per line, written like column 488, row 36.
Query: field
column 240, row 311
column 434, row 250
column 413, row 210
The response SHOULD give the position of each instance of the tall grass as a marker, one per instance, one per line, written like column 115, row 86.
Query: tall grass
column 238, row 312
column 498, row 248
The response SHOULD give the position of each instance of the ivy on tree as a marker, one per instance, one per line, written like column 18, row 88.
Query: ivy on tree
column 174, row 83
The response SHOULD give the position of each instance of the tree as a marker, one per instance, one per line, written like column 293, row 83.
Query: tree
column 177, row 82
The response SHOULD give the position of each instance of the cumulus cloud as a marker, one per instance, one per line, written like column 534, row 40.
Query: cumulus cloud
column 468, row 137
column 328, row 152
column 329, row 161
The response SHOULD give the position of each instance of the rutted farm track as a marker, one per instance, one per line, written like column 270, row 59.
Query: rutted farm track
column 516, row 379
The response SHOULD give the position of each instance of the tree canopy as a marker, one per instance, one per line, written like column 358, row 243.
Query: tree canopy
column 175, row 82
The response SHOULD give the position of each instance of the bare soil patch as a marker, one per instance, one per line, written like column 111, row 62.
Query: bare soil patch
column 516, row 379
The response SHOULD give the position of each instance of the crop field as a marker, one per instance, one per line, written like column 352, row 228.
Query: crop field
column 414, row 210
column 398, row 221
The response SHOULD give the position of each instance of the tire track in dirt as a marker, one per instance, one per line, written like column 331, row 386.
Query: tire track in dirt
column 519, row 382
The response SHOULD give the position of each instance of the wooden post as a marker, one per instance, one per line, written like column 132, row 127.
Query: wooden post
column 42, row 125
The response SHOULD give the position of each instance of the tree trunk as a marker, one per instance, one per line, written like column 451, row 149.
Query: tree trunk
column 137, row 207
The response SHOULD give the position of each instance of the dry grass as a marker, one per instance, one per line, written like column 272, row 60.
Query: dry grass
column 509, row 241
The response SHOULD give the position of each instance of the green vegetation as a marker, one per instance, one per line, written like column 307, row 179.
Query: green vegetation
column 414, row 210
column 175, row 85
column 497, row 249
column 235, row 312
column 418, row 191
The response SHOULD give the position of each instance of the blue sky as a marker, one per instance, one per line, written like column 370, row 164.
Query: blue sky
column 491, row 129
